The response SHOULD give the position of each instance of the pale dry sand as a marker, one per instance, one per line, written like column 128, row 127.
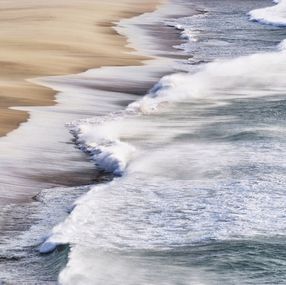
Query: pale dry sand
column 56, row 37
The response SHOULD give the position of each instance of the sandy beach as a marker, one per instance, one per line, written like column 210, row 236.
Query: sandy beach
column 50, row 41
column 40, row 38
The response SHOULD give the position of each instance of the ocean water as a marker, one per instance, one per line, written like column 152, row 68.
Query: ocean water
column 198, row 163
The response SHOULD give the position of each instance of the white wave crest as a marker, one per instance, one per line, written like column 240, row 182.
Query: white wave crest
column 274, row 15
column 255, row 73
column 100, row 136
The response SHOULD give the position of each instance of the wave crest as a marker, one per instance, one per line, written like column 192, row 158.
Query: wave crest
column 274, row 15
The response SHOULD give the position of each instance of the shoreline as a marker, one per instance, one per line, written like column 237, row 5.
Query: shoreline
column 47, row 159
column 40, row 211
column 57, row 39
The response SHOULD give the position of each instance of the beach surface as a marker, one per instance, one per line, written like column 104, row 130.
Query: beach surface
column 48, row 38
column 43, row 43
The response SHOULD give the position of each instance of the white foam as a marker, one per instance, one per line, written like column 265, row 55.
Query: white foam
column 282, row 46
column 111, row 216
column 136, row 214
column 186, row 32
column 147, row 212
column 275, row 15
column 258, row 70
column 255, row 75
column 99, row 137
column 47, row 247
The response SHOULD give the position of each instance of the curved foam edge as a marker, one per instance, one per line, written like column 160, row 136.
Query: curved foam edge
column 274, row 15
column 97, row 138
column 282, row 46
column 186, row 33
column 100, row 140
column 48, row 247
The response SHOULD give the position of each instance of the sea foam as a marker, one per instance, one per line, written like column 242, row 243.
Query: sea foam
column 275, row 15
column 254, row 70
column 249, row 76
column 130, row 213
column 99, row 137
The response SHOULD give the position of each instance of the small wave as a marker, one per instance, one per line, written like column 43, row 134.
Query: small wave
column 186, row 33
column 182, row 25
column 275, row 15
column 250, row 71
column 100, row 139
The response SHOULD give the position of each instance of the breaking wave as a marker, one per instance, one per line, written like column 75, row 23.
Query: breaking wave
column 275, row 15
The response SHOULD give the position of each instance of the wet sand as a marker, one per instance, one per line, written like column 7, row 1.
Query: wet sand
column 56, row 37
column 45, row 40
